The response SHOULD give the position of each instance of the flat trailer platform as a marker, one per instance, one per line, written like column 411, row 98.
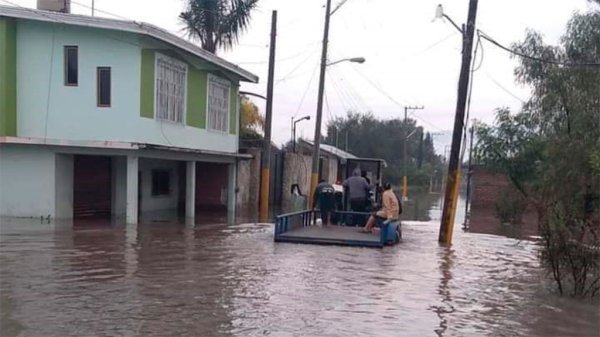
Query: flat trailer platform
column 301, row 227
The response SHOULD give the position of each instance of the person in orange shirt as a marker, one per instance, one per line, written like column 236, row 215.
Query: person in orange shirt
column 389, row 211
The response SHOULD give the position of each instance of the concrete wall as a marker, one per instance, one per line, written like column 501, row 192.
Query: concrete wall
column 119, row 186
column 332, row 170
column 46, row 108
column 296, row 170
column 149, row 202
column 248, row 184
column 27, row 181
column 64, row 186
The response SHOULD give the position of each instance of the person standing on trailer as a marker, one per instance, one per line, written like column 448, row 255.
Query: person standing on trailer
column 324, row 196
column 358, row 190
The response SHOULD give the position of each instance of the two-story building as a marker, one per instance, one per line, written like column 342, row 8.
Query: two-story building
column 112, row 118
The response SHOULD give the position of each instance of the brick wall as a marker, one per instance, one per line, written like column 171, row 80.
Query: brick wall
column 486, row 186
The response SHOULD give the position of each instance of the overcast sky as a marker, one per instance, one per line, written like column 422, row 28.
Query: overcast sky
column 410, row 59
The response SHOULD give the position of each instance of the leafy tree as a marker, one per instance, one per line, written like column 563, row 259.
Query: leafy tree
column 217, row 23
column 551, row 149
column 252, row 122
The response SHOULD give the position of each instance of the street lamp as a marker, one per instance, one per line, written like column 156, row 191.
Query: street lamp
column 294, row 129
column 317, row 139
column 439, row 14
column 351, row 59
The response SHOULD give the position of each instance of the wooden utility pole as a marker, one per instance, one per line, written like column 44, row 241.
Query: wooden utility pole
column 405, row 156
column 453, row 181
column 265, row 161
column 469, row 174
column 314, row 177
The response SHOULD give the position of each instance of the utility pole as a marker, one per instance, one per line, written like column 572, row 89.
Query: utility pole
column 265, row 162
column 314, row 179
column 405, row 157
column 453, row 181
column 346, row 144
column 469, row 173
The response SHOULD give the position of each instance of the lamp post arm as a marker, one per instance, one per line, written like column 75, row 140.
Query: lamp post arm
column 454, row 24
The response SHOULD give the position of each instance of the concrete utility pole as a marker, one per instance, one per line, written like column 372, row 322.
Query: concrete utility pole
column 404, row 158
column 265, row 162
column 453, row 181
column 314, row 178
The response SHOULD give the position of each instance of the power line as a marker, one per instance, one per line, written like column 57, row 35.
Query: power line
column 287, row 58
column 327, row 105
column 355, row 98
column 394, row 101
column 359, row 100
column 337, row 91
column 504, row 88
column 305, row 91
column 96, row 9
column 533, row 58
column 378, row 88
column 289, row 74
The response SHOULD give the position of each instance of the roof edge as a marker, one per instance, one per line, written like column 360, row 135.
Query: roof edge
column 128, row 26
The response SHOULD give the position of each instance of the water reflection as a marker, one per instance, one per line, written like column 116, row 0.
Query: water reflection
column 446, row 307
column 418, row 206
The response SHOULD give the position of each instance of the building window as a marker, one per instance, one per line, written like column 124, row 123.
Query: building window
column 71, row 65
column 218, row 103
column 161, row 182
column 103, row 84
column 171, row 77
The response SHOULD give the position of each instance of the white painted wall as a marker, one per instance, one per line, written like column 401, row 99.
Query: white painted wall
column 27, row 181
column 119, row 186
column 151, row 203
column 63, row 186
column 46, row 108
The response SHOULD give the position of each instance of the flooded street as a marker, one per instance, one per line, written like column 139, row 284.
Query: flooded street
column 163, row 279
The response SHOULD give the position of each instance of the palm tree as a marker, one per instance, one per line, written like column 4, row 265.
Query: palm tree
column 217, row 23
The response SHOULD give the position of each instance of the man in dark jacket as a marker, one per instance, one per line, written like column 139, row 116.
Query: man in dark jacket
column 325, row 197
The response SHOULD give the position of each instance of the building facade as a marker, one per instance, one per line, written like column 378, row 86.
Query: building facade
column 102, row 117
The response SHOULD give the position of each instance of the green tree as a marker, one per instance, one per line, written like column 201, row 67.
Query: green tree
column 370, row 137
column 217, row 23
column 550, row 149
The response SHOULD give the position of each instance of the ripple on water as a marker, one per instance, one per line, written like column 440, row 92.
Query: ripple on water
column 169, row 279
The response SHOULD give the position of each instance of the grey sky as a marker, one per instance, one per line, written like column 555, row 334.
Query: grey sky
column 410, row 59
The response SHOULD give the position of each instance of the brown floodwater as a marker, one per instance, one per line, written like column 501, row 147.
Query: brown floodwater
column 169, row 279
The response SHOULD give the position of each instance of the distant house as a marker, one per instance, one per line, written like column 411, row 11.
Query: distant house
column 105, row 117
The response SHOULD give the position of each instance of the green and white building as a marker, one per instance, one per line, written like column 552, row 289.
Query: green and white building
column 114, row 118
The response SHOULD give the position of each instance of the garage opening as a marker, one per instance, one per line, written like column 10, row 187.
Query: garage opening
column 211, row 188
column 92, row 186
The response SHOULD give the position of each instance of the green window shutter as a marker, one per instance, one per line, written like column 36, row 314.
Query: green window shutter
column 196, row 97
column 147, row 84
column 8, row 77
column 234, row 107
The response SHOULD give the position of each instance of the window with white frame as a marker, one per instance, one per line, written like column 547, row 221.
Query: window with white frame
column 171, row 77
column 218, row 103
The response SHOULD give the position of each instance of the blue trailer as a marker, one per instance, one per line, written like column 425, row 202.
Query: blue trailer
column 302, row 227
